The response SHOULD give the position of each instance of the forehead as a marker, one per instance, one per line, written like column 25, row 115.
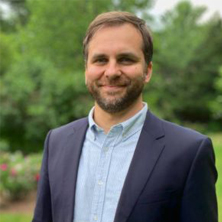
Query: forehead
column 122, row 37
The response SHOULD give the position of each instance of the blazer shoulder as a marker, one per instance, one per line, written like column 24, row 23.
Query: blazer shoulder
column 173, row 128
column 58, row 137
column 70, row 127
column 176, row 132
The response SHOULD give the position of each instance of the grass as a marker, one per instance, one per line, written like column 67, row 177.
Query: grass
column 15, row 217
column 217, row 142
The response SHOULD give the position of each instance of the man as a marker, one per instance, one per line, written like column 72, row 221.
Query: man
column 122, row 163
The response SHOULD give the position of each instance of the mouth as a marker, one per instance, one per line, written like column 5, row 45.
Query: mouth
column 112, row 87
column 117, row 85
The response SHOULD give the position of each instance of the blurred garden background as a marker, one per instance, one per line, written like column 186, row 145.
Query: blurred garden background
column 42, row 79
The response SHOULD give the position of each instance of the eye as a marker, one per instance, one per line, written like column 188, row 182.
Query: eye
column 100, row 61
column 126, row 60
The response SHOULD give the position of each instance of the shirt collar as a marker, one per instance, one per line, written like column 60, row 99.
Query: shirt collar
column 135, row 123
column 130, row 126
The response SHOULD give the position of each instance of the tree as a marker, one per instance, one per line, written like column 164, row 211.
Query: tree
column 216, row 104
column 186, row 61
column 44, row 87
column 16, row 16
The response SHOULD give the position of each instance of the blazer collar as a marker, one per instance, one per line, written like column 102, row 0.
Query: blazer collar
column 149, row 148
column 71, row 157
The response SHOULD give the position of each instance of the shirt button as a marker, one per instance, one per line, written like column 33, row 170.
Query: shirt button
column 106, row 149
column 95, row 217
column 100, row 182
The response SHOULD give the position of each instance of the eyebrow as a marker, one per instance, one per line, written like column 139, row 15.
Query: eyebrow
column 98, row 55
column 125, row 54
column 128, row 54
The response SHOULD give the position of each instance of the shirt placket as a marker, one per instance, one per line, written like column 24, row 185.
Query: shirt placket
column 102, row 174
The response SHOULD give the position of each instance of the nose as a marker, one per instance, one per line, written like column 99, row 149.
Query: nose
column 112, row 70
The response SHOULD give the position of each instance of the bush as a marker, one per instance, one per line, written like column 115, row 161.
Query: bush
column 19, row 174
column 33, row 91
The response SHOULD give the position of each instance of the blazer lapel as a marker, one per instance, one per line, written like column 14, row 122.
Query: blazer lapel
column 72, row 152
column 149, row 148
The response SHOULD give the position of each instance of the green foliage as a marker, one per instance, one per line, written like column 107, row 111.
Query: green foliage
column 216, row 104
column 186, row 62
column 36, row 92
column 15, row 17
column 42, row 69
column 42, row 84
column 6, row 52
column 18, row 174
column 4, row 146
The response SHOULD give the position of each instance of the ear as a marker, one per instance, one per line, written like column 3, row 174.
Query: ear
column 148, row 72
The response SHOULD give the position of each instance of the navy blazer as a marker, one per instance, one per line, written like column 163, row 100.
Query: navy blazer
column 171, row 178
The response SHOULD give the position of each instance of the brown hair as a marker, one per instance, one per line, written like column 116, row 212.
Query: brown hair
column 118, row 18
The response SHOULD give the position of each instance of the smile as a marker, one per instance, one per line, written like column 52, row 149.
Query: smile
column 112, row 87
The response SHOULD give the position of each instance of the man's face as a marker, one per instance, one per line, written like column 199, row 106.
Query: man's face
column 116, row 70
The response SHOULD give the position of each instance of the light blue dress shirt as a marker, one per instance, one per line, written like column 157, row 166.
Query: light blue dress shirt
column 103, row 167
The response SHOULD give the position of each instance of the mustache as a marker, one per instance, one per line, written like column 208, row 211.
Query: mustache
column 113, row 82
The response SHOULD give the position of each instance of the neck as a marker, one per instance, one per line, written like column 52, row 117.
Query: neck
column 106, row 120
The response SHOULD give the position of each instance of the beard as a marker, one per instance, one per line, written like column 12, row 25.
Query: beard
column 116, row 101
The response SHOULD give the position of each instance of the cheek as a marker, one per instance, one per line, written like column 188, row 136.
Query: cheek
column 93, row 73
column 134, row 72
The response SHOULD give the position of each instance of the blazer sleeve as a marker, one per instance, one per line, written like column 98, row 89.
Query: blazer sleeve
column 199, row 203
column 43, row 209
